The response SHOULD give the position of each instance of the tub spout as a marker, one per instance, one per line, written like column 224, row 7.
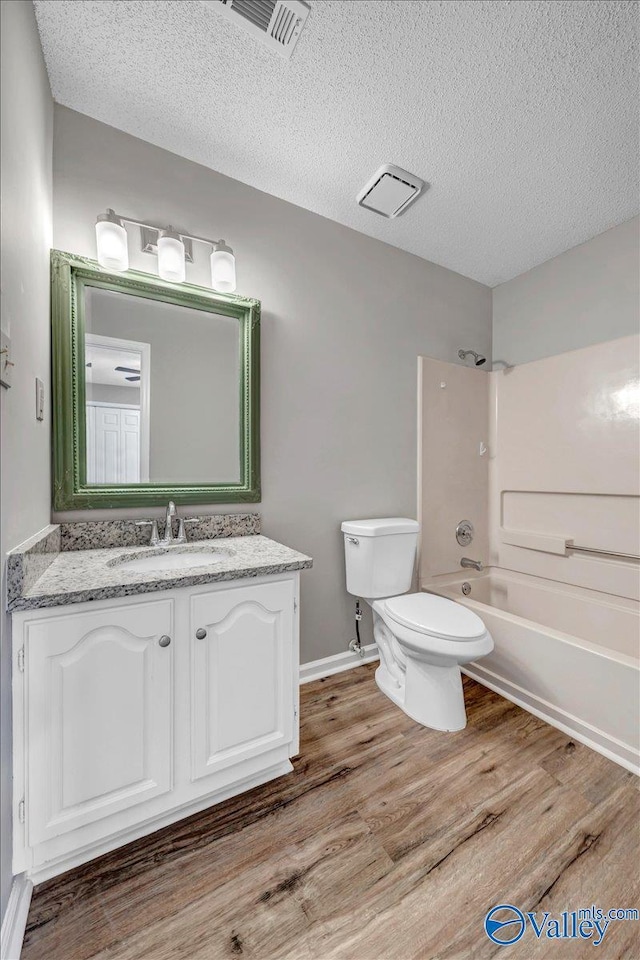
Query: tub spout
column 471, row 564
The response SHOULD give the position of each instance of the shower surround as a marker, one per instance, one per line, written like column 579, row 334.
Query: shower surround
column 544, row 459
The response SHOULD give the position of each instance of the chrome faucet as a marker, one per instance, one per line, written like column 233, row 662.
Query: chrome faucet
column 168, row 538
column 168, row 531
column 471, row 564
column 181, row 536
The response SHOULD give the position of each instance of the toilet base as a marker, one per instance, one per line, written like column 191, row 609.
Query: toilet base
column 431, row 695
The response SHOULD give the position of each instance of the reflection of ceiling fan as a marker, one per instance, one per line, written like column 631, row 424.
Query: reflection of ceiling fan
column 129, row 370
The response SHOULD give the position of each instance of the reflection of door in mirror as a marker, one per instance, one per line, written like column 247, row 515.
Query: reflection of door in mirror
column 117, row 387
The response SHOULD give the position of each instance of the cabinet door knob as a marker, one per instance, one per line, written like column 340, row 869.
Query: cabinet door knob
column 164, row 641
column 201, row 633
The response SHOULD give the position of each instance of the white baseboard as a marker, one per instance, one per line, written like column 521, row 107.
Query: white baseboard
column 573, row 726
column 14, row 921
column 317, row 669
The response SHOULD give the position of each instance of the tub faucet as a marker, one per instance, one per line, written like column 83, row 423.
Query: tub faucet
column 471, row 564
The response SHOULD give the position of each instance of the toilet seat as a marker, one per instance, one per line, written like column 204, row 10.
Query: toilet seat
column 435, row 616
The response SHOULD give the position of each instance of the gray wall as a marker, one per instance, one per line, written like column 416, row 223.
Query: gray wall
column 587, row 295
column 26, row 137
column 344, row 319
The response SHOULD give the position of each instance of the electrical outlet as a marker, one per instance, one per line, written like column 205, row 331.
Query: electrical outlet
column 39, row 399
column 6, row 363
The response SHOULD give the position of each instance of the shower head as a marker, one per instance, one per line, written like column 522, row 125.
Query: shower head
column 478, row 359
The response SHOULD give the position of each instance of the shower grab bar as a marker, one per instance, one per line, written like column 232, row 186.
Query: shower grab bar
column 552, row 543
column 606, row 553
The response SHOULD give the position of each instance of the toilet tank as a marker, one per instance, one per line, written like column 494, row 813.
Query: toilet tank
column 379, row 556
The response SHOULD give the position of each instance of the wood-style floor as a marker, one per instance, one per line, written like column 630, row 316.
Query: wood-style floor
column 388, row 842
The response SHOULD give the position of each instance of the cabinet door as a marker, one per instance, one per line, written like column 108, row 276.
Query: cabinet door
column 241, row 681
column 99, row 715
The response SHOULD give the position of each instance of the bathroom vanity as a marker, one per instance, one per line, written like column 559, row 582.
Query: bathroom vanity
column 148, row 684
column 151, row 677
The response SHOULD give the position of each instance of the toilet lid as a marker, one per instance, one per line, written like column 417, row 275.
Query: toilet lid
column 435, row 616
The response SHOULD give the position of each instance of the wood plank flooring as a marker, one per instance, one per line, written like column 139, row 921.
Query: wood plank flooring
column 388, row 842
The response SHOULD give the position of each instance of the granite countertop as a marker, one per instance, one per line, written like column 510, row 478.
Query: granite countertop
column 75, row 576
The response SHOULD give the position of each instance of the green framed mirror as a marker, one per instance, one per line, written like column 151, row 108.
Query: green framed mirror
column 156, row 390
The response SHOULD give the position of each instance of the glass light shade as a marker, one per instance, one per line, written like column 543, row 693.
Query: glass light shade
column 223, row 269
column 171, row 262
column 111, row 241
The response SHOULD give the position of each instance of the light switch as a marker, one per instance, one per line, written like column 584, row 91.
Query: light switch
column 6, row 363
column 39, row 399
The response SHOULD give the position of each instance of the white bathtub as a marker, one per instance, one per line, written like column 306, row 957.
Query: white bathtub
column 566, row 654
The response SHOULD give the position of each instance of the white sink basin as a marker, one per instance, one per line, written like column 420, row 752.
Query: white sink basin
column 173, row 558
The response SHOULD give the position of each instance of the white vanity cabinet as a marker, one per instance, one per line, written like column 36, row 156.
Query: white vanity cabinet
column 98, row 715
column 132, row 713
column 242, row 663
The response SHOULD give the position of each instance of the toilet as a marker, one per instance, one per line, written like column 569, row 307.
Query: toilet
column 422, row 638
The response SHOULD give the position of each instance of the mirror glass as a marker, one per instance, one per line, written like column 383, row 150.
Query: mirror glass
column 162, row 392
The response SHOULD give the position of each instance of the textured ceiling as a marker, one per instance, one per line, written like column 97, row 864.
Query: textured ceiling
column 522, row 116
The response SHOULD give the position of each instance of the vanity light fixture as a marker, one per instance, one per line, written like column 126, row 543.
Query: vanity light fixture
column 171, row 264
column 111, row 240
column 223, row 268
column 170, row 246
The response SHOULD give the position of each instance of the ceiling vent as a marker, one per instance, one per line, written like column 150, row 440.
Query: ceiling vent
column 278, row 23
column 390, row 191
